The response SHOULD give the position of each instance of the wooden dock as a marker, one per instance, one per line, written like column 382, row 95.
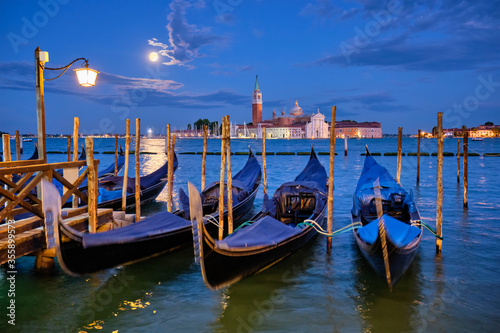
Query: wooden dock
column 30, row 233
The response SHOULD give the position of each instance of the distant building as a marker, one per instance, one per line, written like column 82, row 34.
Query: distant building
column 352, row 129
column 256, row 103
column 296, row 124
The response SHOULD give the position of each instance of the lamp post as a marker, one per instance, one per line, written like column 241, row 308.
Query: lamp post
column 86, row 78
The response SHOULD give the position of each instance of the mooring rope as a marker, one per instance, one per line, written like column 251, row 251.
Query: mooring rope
column 422, row 223
column 213, row 220
column 469, row 148
column 322, row 231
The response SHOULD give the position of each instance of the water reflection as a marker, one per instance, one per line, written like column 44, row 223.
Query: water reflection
column 375, row 301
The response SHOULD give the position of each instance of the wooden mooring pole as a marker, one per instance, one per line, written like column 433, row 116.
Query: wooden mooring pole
column 125, row 172
column 229, row 179
column 264, row 162
column 458, row 161
column 92, row 185
column 439, row 181
column 7, row 157
column 116, row 155
column 400, row 151
column 222, row 178
column 345, row 145
column 204, row 157
column 330, row 179
column 18, row 147
column 76, row 124
column 68, row 149
column 137, row 170
column 170, row 171
column 418, row 156
column 465, row 171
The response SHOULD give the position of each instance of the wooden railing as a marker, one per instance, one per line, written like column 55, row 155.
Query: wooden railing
column 19, row 191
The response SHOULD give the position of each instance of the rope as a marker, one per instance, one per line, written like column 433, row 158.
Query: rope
column 244, row 224
column 322, row 231
column 213, row 220
column 422, row 223
column 469, row 148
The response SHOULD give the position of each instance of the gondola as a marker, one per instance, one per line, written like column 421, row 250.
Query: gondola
column 82, row 253
column 400, row 219
column 283, row 226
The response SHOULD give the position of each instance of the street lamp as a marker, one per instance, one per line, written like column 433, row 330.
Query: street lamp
column 86, row 78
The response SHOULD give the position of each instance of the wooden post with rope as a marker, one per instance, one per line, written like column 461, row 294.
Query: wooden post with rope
column 125, row 172
column 204, row 157
column 76, row 124
column 330, row 179
column 418, row 156
column 381, row 231
column 222, row 177
column 400, row 151
column 264, row 162
column 465, row 171
column 137, row 170
column 458, row 161
column 439, row 181
column 229, row 179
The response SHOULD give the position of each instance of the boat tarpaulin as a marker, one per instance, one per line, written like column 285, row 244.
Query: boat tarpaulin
column 148, row 228
column 266, row 231
column 400, row 233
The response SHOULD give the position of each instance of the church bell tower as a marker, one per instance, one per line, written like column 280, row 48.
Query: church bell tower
column 256, row 103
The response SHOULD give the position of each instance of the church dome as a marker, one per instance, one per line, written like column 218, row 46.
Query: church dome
column 296, row 110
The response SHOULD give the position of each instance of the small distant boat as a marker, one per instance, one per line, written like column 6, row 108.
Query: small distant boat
column 477, row 139
column 400, row 219
column 283, row 226
column 27, row 140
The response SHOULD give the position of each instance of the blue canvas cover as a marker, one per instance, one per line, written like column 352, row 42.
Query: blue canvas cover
column 389, row 188
column 243, row 183
column 400, row 233
column 150, row 227
column 264, row 232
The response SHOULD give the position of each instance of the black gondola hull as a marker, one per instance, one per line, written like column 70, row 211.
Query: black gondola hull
column 400, row 258
column 77, row 260
column 224, row 267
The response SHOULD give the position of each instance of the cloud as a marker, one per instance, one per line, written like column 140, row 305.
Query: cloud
column 354, row 105
column 117, row 90
column 423, row 35
column 185, row 40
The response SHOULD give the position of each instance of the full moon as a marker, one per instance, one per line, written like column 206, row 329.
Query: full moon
column 153, row 56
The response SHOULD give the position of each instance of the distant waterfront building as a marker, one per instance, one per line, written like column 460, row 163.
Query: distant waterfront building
column 482, row 131
column 352, row 129
column 297, row 125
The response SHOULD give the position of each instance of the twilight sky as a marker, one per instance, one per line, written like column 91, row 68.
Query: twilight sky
column 398, row 62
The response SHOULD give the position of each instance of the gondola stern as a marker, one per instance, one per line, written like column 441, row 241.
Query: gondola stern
column 52, row 223
column 200, row 234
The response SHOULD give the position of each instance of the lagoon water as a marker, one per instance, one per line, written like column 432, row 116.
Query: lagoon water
column 308, row 291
